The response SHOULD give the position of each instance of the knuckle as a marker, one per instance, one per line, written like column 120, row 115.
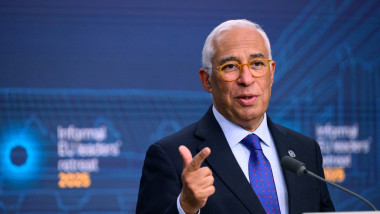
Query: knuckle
column 191, row 187
column 212, row 190
column 197, row 195
column 202, row 156
column 212, row 179
column 208, row 170
column 186, row 180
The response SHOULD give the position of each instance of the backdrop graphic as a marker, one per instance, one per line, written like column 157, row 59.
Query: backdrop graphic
column 87, row 86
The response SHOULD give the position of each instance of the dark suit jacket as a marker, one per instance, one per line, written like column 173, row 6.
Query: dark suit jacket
column 161, row 183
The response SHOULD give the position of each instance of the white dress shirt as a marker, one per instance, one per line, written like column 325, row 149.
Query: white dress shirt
column 234, row 134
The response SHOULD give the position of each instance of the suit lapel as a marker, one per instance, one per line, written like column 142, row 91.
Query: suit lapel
column 283, row 145
column 224, row 164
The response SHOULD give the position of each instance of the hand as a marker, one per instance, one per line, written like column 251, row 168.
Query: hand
column 197, row 182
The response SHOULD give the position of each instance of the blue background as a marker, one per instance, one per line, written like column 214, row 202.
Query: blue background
column 133, row 67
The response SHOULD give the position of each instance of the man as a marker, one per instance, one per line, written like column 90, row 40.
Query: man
column 238, row 72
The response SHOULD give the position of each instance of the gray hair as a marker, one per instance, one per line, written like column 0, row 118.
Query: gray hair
column 208, row 48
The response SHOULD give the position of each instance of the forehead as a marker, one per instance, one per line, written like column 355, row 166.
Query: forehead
column 239, row 42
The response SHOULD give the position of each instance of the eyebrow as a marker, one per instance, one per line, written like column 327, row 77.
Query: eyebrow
column 232, row 58
column 258, row 55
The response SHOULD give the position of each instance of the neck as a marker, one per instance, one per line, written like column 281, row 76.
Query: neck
column 251, row 126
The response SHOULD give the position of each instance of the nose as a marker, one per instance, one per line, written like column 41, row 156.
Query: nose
column 246, row 77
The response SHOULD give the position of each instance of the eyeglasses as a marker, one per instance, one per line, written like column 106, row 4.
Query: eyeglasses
column 232, row 71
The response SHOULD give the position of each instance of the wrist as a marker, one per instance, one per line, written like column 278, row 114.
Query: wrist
column 187, row 208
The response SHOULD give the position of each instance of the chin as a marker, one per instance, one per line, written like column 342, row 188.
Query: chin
column 252, row 116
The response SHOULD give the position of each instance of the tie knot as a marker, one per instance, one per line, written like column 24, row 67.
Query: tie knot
column 252, row 142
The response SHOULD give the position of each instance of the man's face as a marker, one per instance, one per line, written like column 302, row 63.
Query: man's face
column 244, row 100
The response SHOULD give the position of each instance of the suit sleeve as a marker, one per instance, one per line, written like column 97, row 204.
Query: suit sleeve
column 326, row 204
column 160, row 184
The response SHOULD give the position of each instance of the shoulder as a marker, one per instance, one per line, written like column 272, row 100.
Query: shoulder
column 305, row 148
column 292, row 133
column 289, row 139
column 280, row 131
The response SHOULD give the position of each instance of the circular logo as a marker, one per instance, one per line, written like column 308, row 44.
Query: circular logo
column 291, row 153
column 18, row 155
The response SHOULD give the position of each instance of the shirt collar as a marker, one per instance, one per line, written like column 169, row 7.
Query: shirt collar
column 234, row 133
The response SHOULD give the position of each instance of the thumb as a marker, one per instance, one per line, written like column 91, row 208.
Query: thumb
column 187, row 157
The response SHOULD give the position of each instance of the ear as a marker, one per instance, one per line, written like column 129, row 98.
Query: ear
column 271, row 71
column 205, row 80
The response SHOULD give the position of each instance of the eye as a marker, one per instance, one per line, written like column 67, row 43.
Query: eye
column 230, row 67
column 257, row 64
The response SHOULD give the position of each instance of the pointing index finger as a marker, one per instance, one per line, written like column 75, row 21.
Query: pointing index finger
column 198, row 159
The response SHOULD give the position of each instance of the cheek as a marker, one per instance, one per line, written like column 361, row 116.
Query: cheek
column 267, row 85
column 223, row 94
column 220, row 87
column 267, row 93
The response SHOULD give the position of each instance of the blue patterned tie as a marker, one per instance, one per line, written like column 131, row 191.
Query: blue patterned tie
column 260, row 175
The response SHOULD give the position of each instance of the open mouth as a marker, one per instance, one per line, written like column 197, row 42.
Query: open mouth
column 247, row 99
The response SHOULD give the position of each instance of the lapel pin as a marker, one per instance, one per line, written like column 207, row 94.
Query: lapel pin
column 291, row 153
